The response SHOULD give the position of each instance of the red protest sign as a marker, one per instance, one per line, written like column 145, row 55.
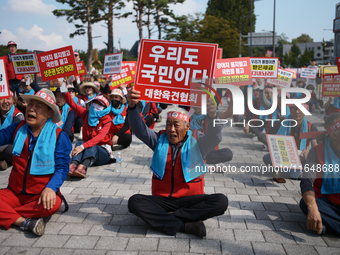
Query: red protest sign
column 131, row 64
column 81, row 68
column 219, row 53
column 338, row 63
column 293, row 70
column 331, row 85
column 4, row 87
column 125, row 77
column 235, row 71
column 284, row 79
column 57, row 63
column 268, row 54
column 166, row 69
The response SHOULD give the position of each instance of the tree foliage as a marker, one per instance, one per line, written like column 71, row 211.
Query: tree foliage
column 4, row 51
column 303, row 38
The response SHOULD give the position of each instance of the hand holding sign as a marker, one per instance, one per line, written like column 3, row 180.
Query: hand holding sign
column 133, row 97
column 211, row 108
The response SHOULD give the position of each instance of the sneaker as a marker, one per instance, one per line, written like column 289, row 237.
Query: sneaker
column 265, row 148
column 116, row 147
column 322, row 231
column 3, row 165
column 196, row 228
column 37, row 226
column 255, row 139
column 322, row 110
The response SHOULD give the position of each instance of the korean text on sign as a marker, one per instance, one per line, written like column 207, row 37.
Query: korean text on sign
column 284, row 79
column 331, row 85
column 264, row 67
column 25, row 63
column 4, row 87
column 112, row 63
column 57, row 63
column 283, row 151
column 235, row 71
column 81, row 68
column 166, row 70
column 309, row 73
column 125, row 77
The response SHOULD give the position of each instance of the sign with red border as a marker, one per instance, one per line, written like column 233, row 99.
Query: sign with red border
column 4, row 87
column 264, row 67
column 284, row 79
column 112, row 63
column 308, row 73
column 81, row 68
column 25, row 63
column 331, row 85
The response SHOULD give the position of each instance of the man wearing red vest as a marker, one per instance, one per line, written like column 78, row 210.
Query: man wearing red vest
column 320, row 184
column 178, row 202
column 40, row 165
column 9, row 115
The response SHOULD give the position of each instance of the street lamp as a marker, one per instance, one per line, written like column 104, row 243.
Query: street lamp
column 274, row 29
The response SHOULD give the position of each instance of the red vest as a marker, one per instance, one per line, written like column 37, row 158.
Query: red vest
column 10, row 70
column 334, row 198
column 89, row 132
column 333, row 109
column 173, row 183
column 115, row 128
column 20, row 179
column 16, row 111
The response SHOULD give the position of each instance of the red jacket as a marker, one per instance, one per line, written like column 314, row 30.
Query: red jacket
column 115, row 128
column 98, row 135
column 173, row 183
column 20, row 178
column 10, row 70
column 334, row 198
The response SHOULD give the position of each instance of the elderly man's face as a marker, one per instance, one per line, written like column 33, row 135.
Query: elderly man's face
column 12, row 49
column 176, row 130
column 296, row 114
column 6, row 104
column 26, row 88
column 256, row 93
column 60, row 100
column 37, row 113
column 269, row 95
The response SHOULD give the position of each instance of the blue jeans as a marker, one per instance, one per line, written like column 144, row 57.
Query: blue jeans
column 97, row 154
column 330, row 214
column 292, row 174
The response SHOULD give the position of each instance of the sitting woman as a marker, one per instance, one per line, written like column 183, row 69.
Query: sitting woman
column 95, row 147
column 88, row 90
column 120, row 130
column 78, row 123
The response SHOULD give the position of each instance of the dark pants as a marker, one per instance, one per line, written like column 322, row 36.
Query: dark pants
column 330, row 214
column 125, row 140
column 219, row 156
column 149, row 120
column 154, row 210
column 6, row 154
column 97, row 154
column 78, row 123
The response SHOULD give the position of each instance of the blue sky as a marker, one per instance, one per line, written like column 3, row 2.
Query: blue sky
column 31, row 24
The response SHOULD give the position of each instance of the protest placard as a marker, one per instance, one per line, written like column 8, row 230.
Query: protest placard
column 112, row 63
column 309, row 73
column 284, row 79
column 235, row 71
column 131, row 64
column 331, row 85
column 268, row 54
column 338, row 63
column 57, row 63
column 125, row 77
column 264, row 67
column 25, row 63
column 293, row 70
column 219, row 53
column 4, row 87
column 81, row 68
column 166, row 70
column 283, row 151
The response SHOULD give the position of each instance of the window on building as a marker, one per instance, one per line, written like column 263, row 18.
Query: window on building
column 318, row 55
column 319, row 48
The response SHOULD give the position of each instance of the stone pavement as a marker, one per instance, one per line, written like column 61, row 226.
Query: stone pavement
column 263, row 217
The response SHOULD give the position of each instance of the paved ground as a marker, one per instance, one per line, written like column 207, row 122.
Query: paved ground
column 263, row 217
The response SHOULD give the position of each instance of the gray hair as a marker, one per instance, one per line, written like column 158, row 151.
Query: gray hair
column 178, row 109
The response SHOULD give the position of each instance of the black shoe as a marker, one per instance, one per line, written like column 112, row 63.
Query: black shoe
column 116, row 147
column 37, row 226
column 196, row 228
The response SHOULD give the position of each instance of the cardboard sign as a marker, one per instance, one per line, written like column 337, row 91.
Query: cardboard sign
column 125, row 77
column 219, row 53
column 81, row 68
column 284, row 79
column 309, row 73
column 283, row 151
column 293, row 70
column 4, row 87
column 112, row 63
column 25, row 63
column 331, row 85
column 268, row 54
column 264, row 67
column 235, row 71
column 167, row 70
column 57, row 63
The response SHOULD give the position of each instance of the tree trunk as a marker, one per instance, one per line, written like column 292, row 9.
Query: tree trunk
column 110, row 29
column 140, row 21
column 158, row 24
column 148, row 24
column 89, row 36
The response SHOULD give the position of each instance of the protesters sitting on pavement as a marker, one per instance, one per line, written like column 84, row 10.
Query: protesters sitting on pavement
column 178, row 202
column 313, row 102
column 68, row 116
column 95, row 147
column 148, row 111
column 303, row 145
column 40, row 165
column 332, row 105
column 9, row 115
column 78, row 123
column 320, row 181
column 120, row 130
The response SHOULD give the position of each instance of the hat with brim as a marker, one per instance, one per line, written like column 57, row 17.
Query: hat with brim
column 88, row 84
column 71, row 87
column 11, row 43
column 118, row 92
column 45, row 96
column 102, row 99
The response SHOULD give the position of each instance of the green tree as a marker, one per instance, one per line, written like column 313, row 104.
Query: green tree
column 4, row 51
column 87, row 12
column 305, row 57
column 281, row 40
column 303, row 38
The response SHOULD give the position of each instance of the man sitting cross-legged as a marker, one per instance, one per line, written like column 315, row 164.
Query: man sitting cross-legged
column 178, row 202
